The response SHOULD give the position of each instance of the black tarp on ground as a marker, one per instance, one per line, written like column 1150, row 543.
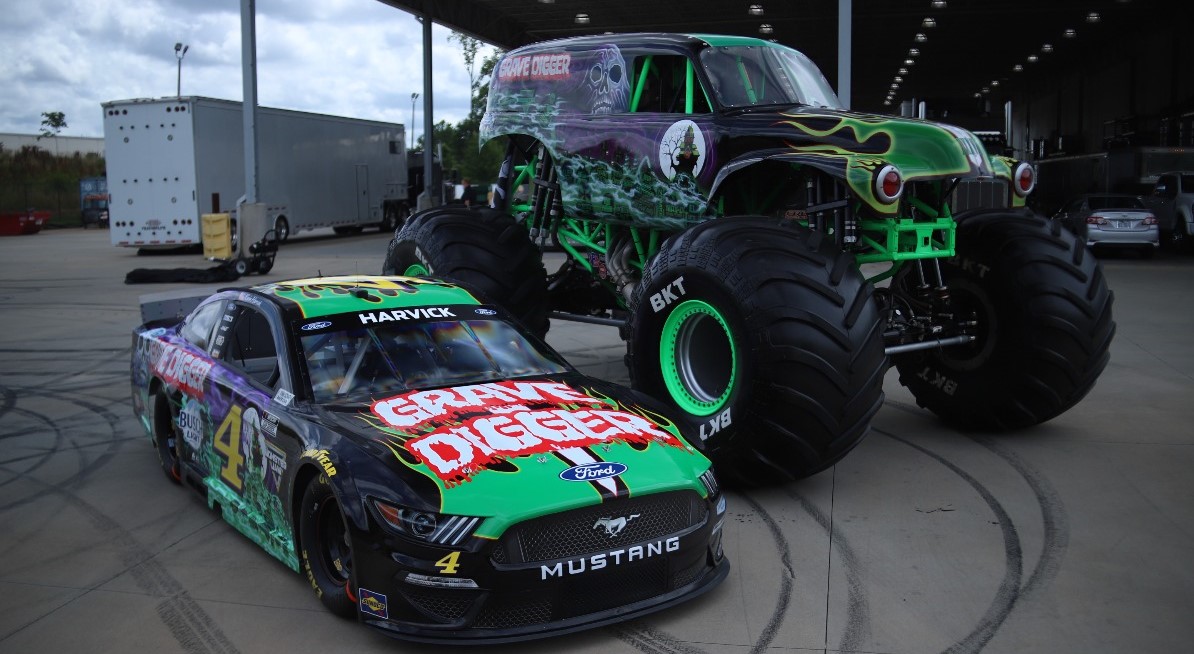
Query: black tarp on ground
column 220, row 273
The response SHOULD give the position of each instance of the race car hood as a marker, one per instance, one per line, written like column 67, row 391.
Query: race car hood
column 513, row 450
column 855, row 146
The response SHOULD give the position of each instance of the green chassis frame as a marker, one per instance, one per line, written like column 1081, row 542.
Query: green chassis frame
column 926, row 233
column 920, row 232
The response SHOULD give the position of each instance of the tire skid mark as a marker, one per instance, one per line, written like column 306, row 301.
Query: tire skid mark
column 1053, row 514
column 858, row 612
column 652, row 641
column 44, row 457
column 116, row 358
column 86, row 469
column 785, row 593
column 76, row 448
column 186, row 620
column 1009, row 587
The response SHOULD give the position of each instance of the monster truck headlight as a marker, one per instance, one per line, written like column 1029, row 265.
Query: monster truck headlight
column 889, row 184
column 426, row 526
column 1024, row 179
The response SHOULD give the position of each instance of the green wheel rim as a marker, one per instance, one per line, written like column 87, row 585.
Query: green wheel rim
column 416, row 270
column 698, row 358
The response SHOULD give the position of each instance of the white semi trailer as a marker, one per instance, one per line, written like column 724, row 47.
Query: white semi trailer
column 171, row 160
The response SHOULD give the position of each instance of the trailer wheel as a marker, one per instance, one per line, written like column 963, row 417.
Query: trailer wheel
column 282, row 228
column 484, row 249
column 1043, row 317
column 767, row 338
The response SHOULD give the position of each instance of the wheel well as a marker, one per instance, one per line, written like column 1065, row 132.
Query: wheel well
column 156, row 386
column 769, row 188
column 302, row 478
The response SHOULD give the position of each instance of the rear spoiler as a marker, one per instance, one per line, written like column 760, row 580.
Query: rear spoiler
column 171, row 306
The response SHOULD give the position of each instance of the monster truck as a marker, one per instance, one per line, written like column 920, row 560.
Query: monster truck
column 765, row 252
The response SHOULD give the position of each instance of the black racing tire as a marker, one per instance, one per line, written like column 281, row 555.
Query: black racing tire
column 163, row 421
column 484, row 249
column 767, row 338
column 282, row 229
column 325, row 548
column 1043, row 318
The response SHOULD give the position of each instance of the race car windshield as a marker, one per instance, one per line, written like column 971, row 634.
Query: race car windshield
column 751, row 76
column 368, row 360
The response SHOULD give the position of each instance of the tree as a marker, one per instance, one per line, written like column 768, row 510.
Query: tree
column 460, row 141
column 52, row 122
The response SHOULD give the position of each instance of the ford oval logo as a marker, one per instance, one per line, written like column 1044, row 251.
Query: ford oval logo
column 312, row 326
column 486, row 312
column 593, row 471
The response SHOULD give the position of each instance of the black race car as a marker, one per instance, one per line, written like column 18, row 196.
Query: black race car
column 432, row 468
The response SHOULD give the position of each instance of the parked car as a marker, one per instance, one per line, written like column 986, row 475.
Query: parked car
column 1173, row 205
column 434, row 470
column 1108, row 220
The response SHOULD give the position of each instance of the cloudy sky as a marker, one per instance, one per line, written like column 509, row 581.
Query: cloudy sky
column 357, row 58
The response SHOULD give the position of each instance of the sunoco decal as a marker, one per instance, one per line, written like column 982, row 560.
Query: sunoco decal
column 461, row 430
column 374, row 604
column 593, row 471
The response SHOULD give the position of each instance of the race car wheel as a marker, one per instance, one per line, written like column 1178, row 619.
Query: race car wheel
column 767, row 338
column 1042, row 311
column 484, row 249
column 326, row 548
column 165, row 436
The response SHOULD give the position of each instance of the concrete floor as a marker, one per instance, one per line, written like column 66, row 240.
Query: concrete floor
column 1075, row 536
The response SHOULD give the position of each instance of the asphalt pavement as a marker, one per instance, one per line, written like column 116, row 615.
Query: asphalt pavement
column 1073, row 536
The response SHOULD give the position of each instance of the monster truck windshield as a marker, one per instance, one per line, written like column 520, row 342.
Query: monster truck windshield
column 363, row 361
column 751, row 76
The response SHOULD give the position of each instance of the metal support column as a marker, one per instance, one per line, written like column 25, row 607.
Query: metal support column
column 431, row 194
column 248, row 63
column 845, row 13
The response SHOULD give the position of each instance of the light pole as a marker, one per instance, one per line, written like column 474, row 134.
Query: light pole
column 413, row 97
column 179, row 51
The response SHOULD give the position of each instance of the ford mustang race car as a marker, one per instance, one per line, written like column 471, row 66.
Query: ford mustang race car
column 432, row 468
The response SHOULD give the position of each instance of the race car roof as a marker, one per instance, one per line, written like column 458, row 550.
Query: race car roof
column 323, row 296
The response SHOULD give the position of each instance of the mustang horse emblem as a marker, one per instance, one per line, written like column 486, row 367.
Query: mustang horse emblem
column 614, row 526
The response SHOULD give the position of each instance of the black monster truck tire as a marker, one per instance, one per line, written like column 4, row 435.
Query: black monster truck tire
column 482, row 248
column 1043, row 313
column 324, row 547
column 767, row 338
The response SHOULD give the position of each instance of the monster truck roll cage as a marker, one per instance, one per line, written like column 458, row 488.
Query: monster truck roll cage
column 918, row 312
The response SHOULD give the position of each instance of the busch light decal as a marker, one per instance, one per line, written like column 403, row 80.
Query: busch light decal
column 593, row 471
